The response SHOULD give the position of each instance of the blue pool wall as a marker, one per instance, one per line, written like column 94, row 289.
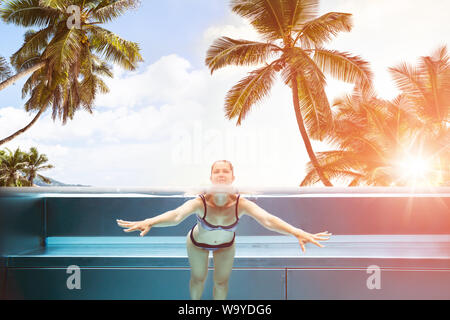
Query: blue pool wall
column 341, row 215
column 22, row 223
column 28, row 218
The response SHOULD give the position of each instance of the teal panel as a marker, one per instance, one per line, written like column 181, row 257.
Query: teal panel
column 138, row 283
column 358, row 214
column 21, row 224
column 352, row 284
column 96, row 216
column 2, row 277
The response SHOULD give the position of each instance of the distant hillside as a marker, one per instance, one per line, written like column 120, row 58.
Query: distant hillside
column 55, row 183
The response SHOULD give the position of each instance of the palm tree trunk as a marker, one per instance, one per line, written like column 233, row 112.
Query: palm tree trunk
column 31, row 179
column 20, row 75
column 23, row 129
column 305, row 137
column 354, row 182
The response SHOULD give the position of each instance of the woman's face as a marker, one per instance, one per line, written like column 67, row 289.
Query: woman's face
column 221, row 178
column 222, row 174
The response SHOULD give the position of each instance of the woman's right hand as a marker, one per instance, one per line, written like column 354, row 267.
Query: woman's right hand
column 143, row 226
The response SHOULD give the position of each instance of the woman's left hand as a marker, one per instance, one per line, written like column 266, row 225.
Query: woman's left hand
column 305, row 237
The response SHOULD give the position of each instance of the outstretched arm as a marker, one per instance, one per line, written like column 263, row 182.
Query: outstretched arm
column 167, row 219
column 276, row 224
column 176, row 216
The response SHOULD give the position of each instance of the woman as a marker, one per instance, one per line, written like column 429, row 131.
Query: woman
column 218, row 213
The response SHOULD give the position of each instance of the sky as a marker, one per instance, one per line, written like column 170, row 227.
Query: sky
column 163, row 124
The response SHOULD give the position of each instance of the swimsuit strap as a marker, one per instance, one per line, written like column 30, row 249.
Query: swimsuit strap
column 236, row 211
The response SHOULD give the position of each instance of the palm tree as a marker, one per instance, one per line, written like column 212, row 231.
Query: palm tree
column 294, row 35
column 20, row 168
column 427, row 89
column 66, row 93
column 57, row 56
column 11, row 166
column 369, row 133
column 377, row 140
column 66, row 44
column 36, row 162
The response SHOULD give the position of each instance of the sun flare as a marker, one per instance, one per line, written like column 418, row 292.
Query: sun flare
column 416, row 167
column 417, row 170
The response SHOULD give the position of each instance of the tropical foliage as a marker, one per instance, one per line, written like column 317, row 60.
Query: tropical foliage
column 294, row 36
column 5, row 70
column 19, row 169
column 401, row 142
column 67, row 64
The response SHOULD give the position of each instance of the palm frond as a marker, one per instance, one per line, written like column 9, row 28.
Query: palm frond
column 249, row 91
column 28, row 13
column 226, row 51
column 343, row 66
column 34, row 43
column 63, row 49
column 437, row 76
column 441, row 55
column 114, row 48
column 298, row 61
column 93, row 64
column 60, row 5
column 336, row 164
column 379, row 118
column 408, row 79
column 310, row 179
column 89, row 88
column 108, row 10
column 46, row 167
column 101, row 85
column 5, row 70
column 266, row 16
column 44, row 179
column 314, row 104
column 322, row 29
column 314, row 107
column 299, row 12
column 341, row 159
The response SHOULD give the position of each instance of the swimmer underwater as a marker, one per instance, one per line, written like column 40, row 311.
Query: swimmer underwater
column 218, row 212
